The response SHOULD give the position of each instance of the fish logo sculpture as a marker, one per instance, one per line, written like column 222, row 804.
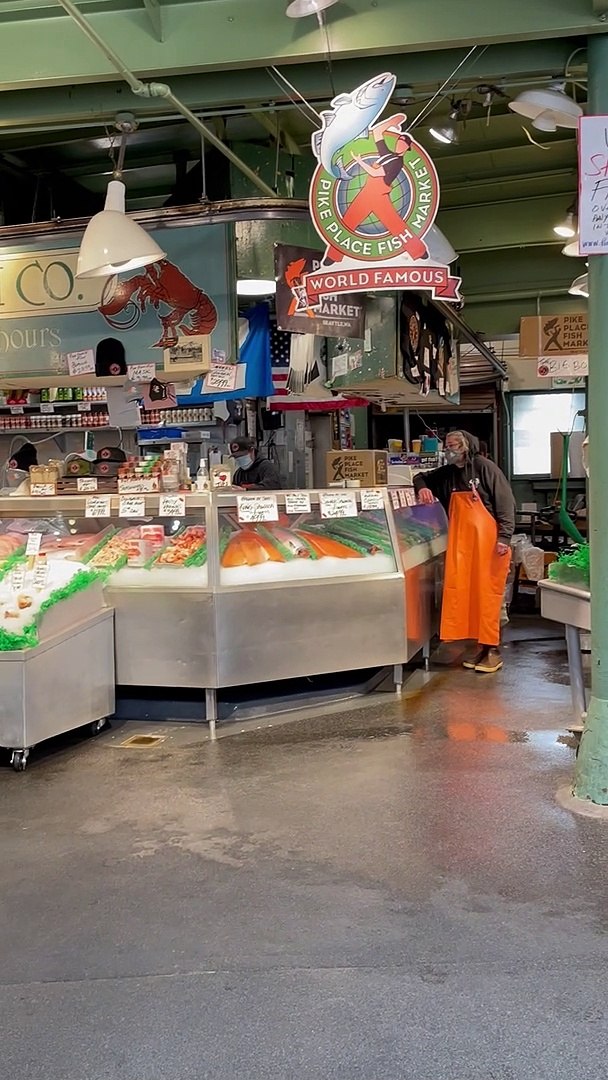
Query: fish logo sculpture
column 350, row 116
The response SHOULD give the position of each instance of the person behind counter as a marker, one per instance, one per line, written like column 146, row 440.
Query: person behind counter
column 481, row 508
column 253, row 471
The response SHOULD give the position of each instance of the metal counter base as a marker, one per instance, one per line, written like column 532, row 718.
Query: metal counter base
column 62, row 684
column 572, row 607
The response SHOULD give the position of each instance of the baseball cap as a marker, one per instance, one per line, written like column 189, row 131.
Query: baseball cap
column 242, row 445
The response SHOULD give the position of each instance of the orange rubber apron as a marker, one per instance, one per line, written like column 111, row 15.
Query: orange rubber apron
column 475, row 576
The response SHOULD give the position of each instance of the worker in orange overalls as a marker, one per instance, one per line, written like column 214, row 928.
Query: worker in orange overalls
column 375, row 194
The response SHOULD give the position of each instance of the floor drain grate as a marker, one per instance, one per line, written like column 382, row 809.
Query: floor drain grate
column 141, row 742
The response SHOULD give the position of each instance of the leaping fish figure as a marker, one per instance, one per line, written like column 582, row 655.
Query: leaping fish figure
column 350, row 117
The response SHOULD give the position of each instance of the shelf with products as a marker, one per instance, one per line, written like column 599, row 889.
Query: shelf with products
column 25, row 424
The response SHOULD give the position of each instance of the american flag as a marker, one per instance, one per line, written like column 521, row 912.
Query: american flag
column 280, row 349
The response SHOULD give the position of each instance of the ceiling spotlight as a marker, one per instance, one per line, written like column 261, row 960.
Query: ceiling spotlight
column 566, row 228
column 580, row 286
column 572, row 249
column 548, row 108
column 256, row 287
column 447, row 134
column 298, row 9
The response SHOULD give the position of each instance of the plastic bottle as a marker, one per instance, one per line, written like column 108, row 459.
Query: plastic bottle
column 202, row 477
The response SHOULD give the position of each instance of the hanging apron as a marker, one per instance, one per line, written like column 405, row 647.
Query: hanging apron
column 475, row 576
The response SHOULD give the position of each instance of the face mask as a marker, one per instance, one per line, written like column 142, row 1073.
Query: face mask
column 454, row 456
column 243, row 462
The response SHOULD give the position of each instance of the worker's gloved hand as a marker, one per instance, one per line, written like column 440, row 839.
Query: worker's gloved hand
column 502, row 549
column 425, row 496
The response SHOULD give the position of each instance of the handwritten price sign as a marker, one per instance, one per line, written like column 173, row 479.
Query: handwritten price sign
column 593, row 185
column 81, row 363
column 98, row 506
column 338, row 504
column 297, row 502
column 257, row 508
column 132, row 506
column 221, row 377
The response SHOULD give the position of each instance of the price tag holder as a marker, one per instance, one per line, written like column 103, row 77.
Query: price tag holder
column 297, row 502
column 84, row 406
column 42, row 489
column 257, row 508
column 372, row 499
column 338, row 504
column 16, row 410
column 173, row 506
column 47, row 407
column 41, row 574
column 98, row 506
column 18, row 578
column 34, row 541
column 86, row 484
column 132, row 506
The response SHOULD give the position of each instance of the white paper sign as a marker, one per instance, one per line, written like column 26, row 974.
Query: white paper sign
column 146, row 485
column 141, row 373
column 18, row 578
column 221, row 377
column 84, row 406
column 86, row 483
column 34, row 541
column 338, row 504
column 47, row 407
column 98, row 506
column 16, row 410
column 593, row 185
column 562, row 367
column 131, row 506
column 173, row 506
column 81, row 363
column 41, row 573
column 372, row 499
column 42, row 489
column 257, row 508
column 297, row 502
column 395, row 499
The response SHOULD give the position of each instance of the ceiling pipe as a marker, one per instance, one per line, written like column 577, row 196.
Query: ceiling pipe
column 161, row 90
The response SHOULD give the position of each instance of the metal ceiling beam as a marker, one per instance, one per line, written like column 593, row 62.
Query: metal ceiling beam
column 269, row 122
column 216, row 35
column 155, row 16
column 96, row 104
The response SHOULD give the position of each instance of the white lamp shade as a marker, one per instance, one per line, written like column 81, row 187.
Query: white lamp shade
column 299, row 8
column 447, row 134
column 113, row 243
column 256, row 287
column 580, row 286
column 439, row 247
column 549, row 108
column 572, row 249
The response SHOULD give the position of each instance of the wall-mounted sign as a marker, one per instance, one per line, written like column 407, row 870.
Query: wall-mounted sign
column 562, row 367
column 331, row 316
column 593, row 185
column 373, row 198
column 550, row 335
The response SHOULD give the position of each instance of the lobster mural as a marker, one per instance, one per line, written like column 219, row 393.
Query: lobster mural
column 186, row 310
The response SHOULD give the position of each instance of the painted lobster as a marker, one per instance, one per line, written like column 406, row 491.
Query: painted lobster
column 161, row 283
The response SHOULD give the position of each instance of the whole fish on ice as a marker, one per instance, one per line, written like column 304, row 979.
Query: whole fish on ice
column 351, row 116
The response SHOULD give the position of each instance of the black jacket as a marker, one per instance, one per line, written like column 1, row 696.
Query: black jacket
column 263, row 475
column 493, row 489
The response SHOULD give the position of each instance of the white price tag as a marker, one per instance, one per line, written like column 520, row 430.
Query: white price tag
column 86, row 483
column 18, row 578
column 410, row 498
column 98, row 506
column 146, row 485
column 84, row 406
column 221, row 377
column 41, row 574
column 338, row 504
column 257, row 508
column 403, row 499
column 297, row 502
column 395, row 499
column 372, row 499
column 16, row 410
column 42, row 489
column 141, row 373
column 47, row 407
column 131, row 506
column 173, row 506
column 34, row 541
column 81, row 363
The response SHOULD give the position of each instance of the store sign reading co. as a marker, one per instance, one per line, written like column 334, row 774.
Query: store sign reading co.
column 44, row 283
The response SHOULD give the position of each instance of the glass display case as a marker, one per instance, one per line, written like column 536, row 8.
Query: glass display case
column 233, row 589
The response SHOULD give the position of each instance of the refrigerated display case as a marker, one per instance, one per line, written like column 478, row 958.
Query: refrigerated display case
column 206, row 596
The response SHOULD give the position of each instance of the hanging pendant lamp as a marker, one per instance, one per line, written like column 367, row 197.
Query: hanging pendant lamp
column 580, row 286
column 548, row 108
column 298, row 9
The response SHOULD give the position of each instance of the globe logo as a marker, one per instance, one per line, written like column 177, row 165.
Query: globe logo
column 347, row 190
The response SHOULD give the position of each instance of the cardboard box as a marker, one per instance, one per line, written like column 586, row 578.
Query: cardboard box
column 552, row 335
column 370, row 467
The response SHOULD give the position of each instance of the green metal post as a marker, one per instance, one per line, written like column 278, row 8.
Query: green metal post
column 591, row 779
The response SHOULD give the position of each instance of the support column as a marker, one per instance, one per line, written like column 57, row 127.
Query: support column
column 591, row 778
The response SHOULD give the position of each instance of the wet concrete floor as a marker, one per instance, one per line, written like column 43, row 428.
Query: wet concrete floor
column 388, row 892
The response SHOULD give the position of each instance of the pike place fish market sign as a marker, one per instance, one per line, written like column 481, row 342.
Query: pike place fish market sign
column 373, row 198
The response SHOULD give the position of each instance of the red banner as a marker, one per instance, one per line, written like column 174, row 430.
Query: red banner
column 434, row 279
